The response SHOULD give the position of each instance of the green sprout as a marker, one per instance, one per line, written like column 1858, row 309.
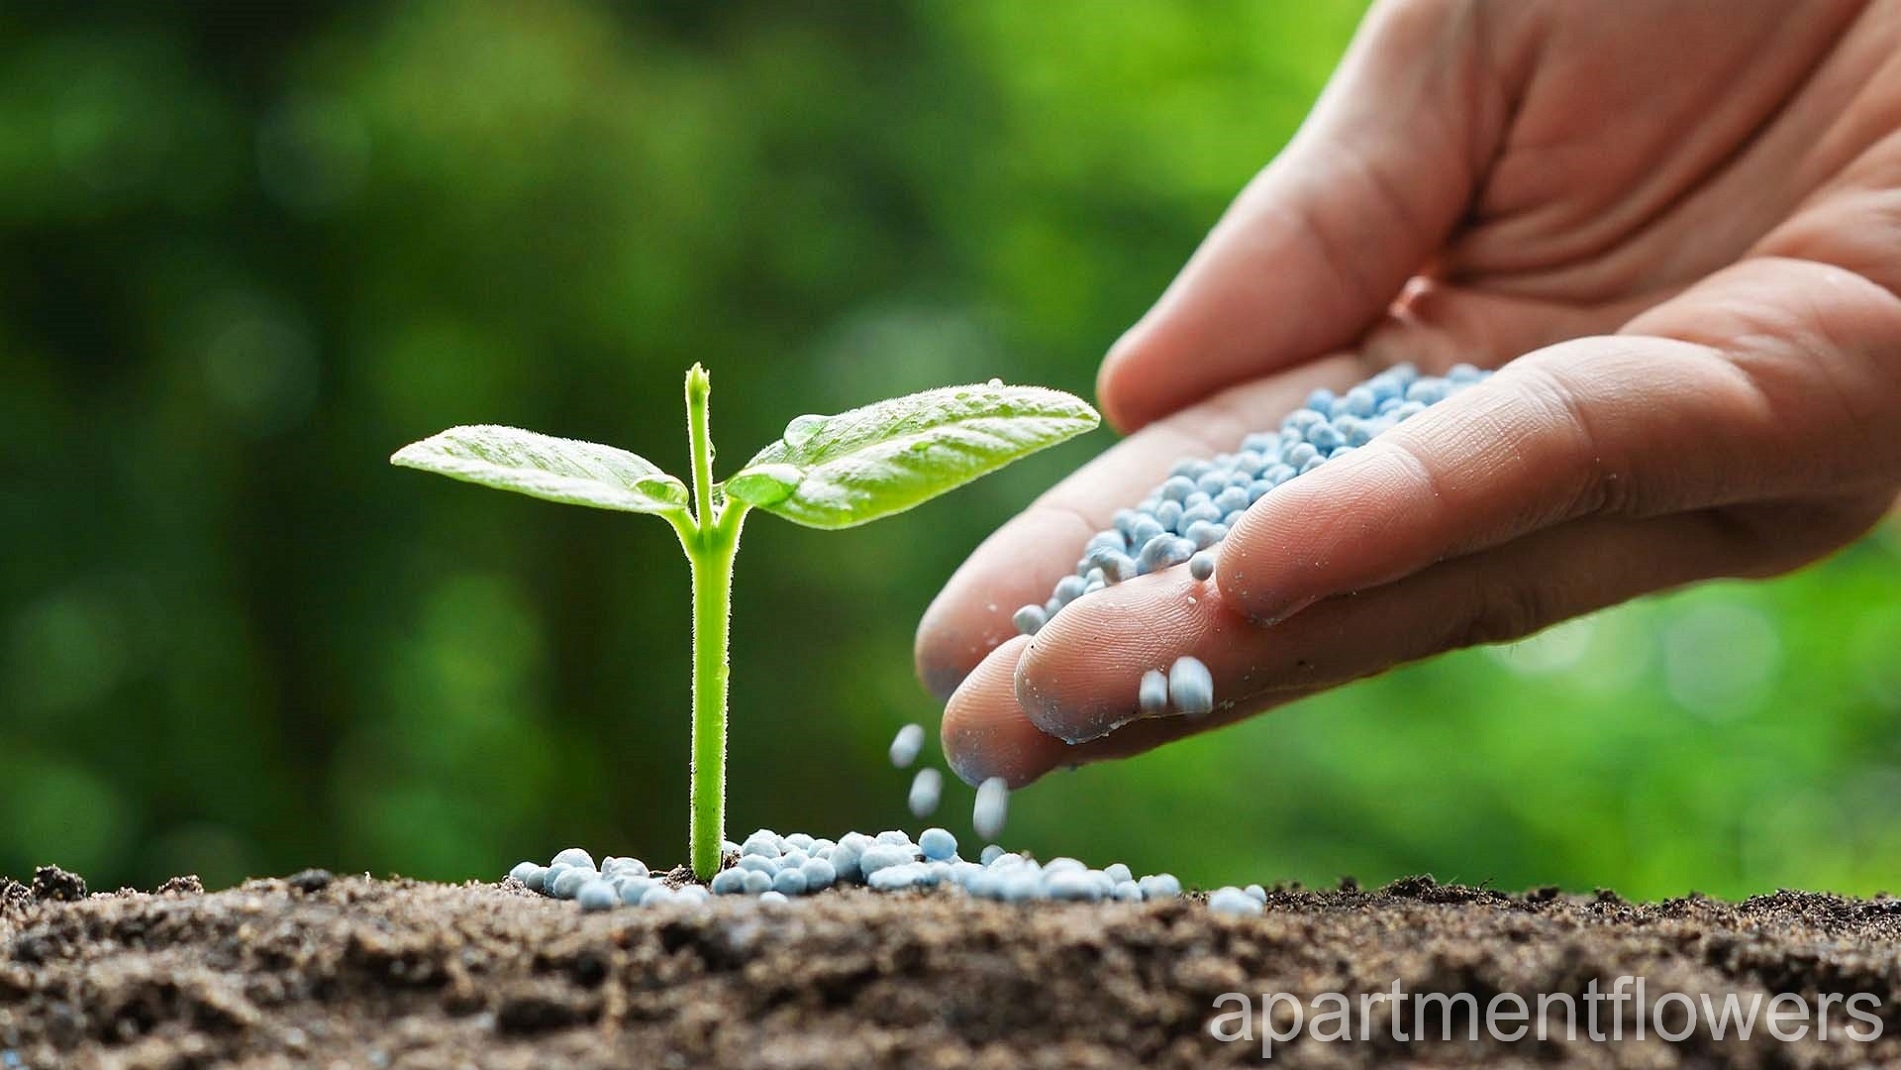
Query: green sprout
column 825, row 472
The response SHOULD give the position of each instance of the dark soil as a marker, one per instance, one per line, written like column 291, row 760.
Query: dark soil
column 351, row 972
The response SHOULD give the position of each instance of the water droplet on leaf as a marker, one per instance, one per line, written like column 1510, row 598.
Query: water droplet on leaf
column 801, row 429
column 767, row 484
column 665, row 488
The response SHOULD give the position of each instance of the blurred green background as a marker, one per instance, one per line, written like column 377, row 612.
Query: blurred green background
column 243, row 258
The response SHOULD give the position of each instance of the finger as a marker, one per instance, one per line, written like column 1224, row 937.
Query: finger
column 1768, row 380
column 1321, row 242
column 1078, row 678
column 985, row 733
column 1021, row 562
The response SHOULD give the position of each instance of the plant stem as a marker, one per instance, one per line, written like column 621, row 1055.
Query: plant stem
column 711, row 542
column 712, row 603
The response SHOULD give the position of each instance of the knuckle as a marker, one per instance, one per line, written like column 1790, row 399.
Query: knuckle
column 1770, row 539
column 1558, row 409
column 1503, row 612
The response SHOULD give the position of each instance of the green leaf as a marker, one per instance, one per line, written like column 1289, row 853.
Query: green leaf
column 839, row 471
column 542, row 466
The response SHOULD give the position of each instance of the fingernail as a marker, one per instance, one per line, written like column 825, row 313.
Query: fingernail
column 1279, row 611
column 1234, row 578
column 940, row 680
column 1074, row 731
column 1264, row 608
column 975, row 764
column 969, row 754
column 1072, row 726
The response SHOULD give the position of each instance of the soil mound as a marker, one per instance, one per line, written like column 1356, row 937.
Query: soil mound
column 322, row 970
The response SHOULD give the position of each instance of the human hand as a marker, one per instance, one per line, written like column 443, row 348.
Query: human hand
column 1685, row 217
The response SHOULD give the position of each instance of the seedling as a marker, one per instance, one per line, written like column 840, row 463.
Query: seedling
column 824, row 472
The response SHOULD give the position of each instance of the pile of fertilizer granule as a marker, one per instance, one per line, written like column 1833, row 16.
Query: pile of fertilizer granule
column 776, row 869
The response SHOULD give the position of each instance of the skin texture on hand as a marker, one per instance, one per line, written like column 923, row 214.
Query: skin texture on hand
column 1680, row 223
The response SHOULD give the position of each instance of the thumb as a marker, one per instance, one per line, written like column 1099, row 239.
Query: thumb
column 1786, row 394
column 1321, row 243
